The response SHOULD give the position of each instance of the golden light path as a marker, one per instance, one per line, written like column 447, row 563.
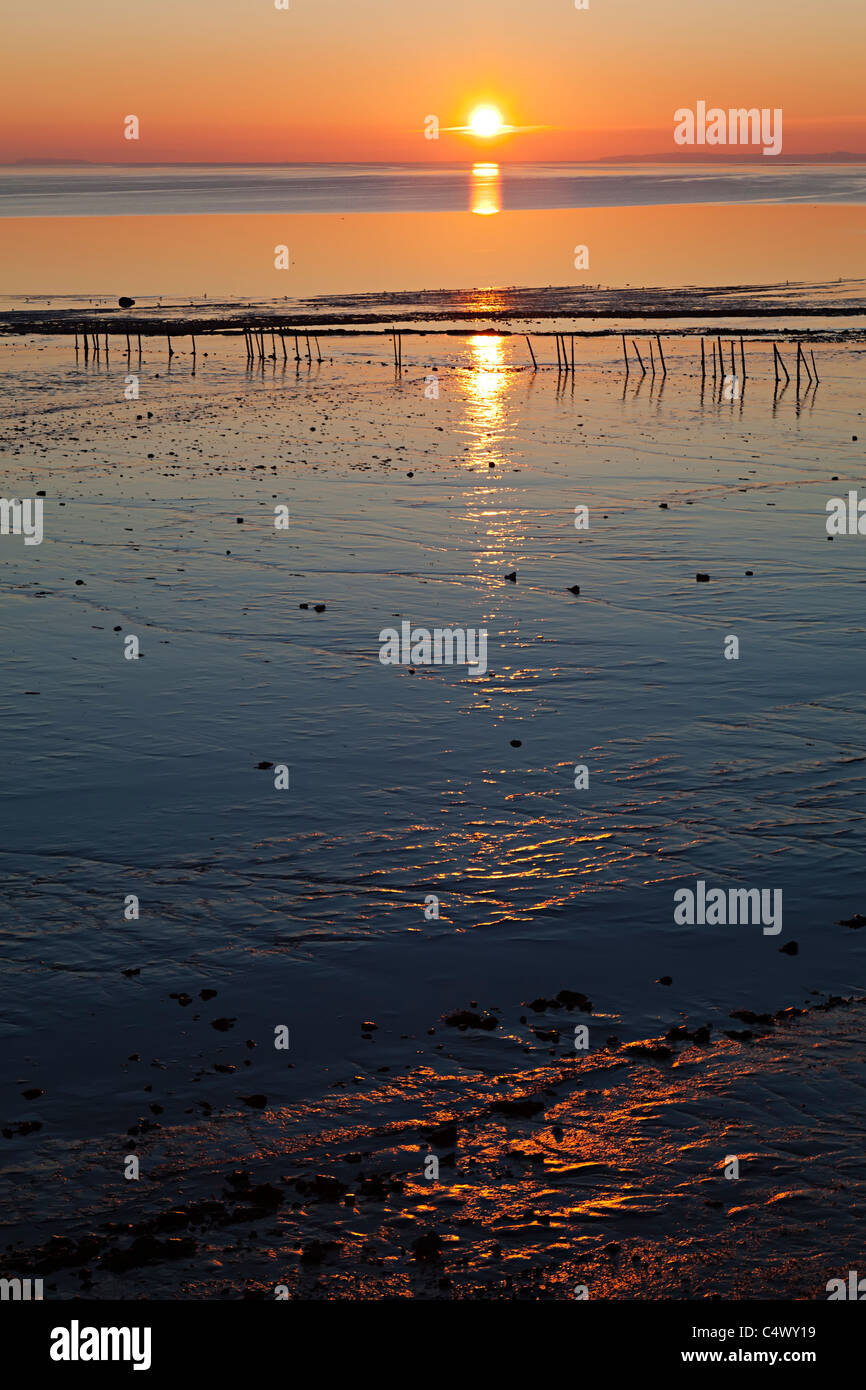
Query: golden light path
column 485, row 189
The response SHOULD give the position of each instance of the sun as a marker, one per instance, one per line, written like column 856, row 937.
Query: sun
column 486, row 121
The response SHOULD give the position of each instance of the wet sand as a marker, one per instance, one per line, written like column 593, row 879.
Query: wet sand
column 308, row 909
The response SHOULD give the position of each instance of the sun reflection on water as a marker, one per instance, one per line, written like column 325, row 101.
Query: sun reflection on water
column 485, row 189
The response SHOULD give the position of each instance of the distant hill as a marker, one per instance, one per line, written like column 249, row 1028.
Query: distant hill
column 746, row 155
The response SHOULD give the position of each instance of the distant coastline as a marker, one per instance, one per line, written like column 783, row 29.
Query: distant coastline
column 673, row 157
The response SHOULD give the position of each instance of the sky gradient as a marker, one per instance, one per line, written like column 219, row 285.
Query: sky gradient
column 238, row 80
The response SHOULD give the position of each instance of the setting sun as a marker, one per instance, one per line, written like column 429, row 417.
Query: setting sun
column 486, row 121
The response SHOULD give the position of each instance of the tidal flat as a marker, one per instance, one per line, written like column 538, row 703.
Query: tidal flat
column 416, row 1033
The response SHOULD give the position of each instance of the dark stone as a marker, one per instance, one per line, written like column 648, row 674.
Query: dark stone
column 427, row 1247
column 464, row 1018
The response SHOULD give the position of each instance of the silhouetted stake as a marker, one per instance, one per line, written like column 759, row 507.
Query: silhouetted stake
column 721, row 358
column 138, row 336
column 297, row 349
column 309, row 349
column 572, row 354
column 814, row 368
column 703, row 361
column 321, row 359
column 558, row 358
column 531, row 353
column 86, row 346
column 782, row 365
column 192, row 335
column 661, row 356
column 798, row 369
column 742, row 358
column 638, row 356
column 733, row 366
column 776, row 362
column 170, row 353
column 625, row 353
column 106, row 344
column 283, row 345
column 652, row 358
column 76, row 342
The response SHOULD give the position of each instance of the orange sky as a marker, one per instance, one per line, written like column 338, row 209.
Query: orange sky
column 237, row 80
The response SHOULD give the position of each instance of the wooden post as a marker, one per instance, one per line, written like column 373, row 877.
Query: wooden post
column 138, row 336
column 814, row 368
column 652, row 358
column 625, row 353
column 170, row 353
column 309, row 349
column 192, row 335
column 661, row 356
column 639, row 358
column 297, row 349
column 798, row 368
column 531, row 353
column 572, row 354
column 283, row 343
column 782, row 365
column 776, row 362
column 86, row 345
column 558, row 358
column 703, row 361
column 742, row 358
column 76, row 340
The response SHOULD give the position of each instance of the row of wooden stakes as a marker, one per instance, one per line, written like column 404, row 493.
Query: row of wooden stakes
column 565, row 360
column 254, row 339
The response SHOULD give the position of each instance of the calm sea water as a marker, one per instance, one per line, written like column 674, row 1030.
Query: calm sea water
column 120, row 190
